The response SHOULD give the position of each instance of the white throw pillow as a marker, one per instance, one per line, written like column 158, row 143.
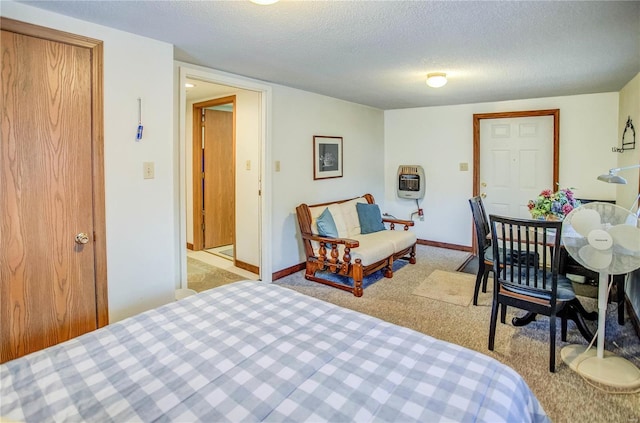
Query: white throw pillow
column 350, row 215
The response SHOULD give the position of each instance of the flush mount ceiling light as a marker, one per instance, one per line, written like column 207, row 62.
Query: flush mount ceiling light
column 264, row 2
column 436, row 79
column 189, row 85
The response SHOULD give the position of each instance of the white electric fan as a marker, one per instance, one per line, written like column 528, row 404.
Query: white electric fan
column 605, row 238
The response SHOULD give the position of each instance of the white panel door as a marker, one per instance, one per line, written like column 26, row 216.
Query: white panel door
column 516, row 162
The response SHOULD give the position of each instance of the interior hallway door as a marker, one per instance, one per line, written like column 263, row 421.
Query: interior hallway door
column 218, row 181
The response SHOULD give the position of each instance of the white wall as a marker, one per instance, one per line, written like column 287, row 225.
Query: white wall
column 298, row 116
column 141, row 253
column 630, row 107
column 439, row 138
column 248, row 124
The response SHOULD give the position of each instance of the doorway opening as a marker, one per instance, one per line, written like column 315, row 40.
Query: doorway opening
column 213, row 91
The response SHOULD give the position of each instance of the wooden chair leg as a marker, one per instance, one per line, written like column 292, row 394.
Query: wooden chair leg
column 485, row 278
column 358, row 276
column 412, row 255
column 481, row 267
column 388, row 270
column 552, row 342
column 503, row 313
column 492, row 325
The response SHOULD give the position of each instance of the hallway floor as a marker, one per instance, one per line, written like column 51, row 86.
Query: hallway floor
column 223, row 263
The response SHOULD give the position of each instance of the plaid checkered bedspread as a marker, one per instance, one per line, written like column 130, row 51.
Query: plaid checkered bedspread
column 252, row 351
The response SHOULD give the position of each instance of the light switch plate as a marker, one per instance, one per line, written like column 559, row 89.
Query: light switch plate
column 148, row 170
column 464, row 167
column 277, row 165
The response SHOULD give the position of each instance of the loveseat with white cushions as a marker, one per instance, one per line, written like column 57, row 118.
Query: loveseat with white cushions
column 349, row 238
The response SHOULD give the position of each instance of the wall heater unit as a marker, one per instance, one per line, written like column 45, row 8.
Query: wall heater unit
column 411, row 182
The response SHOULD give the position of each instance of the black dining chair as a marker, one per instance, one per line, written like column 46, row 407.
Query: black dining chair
column 485, row 253
column 526, row 274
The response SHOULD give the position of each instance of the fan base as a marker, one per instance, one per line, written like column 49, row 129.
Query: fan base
column 610, row 370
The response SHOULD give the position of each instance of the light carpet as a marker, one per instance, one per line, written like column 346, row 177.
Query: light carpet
column 202, row 276
column 451, row 287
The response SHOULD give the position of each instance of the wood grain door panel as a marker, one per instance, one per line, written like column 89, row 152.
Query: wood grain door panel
column 49, row 292
column 516, row 162
column 219, row 185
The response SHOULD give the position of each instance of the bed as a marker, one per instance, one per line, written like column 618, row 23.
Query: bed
column 252, row 351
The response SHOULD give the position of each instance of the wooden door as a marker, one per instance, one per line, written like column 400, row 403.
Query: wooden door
column 482, row 168
column 516, row 162
column 53, row 285
column 219, row 181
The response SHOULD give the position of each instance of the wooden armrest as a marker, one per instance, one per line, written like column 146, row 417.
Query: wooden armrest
column 394, row 222
column 399, row 221
column 351, row 243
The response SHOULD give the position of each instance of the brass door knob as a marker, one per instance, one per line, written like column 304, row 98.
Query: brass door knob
column 82, row 238
column 483, row 195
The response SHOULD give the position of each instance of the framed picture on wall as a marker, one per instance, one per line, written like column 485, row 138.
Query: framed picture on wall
column 327, row 157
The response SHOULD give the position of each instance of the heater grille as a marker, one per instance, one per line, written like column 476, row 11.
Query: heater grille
column 411, row 183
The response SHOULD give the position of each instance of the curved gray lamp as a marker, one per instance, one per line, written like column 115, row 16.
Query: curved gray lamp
column 613, row 178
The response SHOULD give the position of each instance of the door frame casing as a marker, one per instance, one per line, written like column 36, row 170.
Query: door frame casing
column 477, row 117
column 198, row 239
column 97, row 147
column 184, row 71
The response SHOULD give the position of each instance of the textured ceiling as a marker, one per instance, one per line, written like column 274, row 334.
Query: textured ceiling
column 378, row 53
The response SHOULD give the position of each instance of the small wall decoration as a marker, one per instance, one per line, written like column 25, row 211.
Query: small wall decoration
column 327, row 157
column 139, row 132
column 628, row 138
